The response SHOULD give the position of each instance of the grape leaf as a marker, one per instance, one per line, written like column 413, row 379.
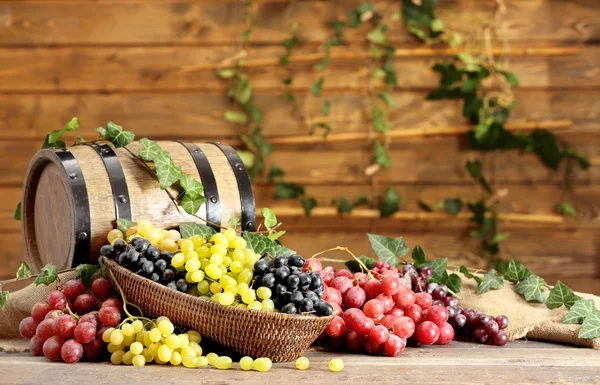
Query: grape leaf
column 454, row 283
column 532, row 288
column 234, row 222
column 418, row 256
column 149, row 149
column 285, row 190
column 191, row 203
column 85, row 272
column 439, row 266
column 17, row 215
column 235, row 117
column 560, row 295
column 453, row 205
column 3, row 299
column 380, row 154
column 189, row 229
column 516, row 271
column 24, row 271
column 308, row 204
column 191, row 186
column 465, row 271
column 590, row 328
column 390, row 203
column 261, row 245
column 103, row 270
column 579, row 311
column 354, row 266
column 123, row 224
column 270, row 219
column 491, row 281
column 48, row 275
column 388, row 249
column 166, row 171
column 117, row 136
column 344, row 206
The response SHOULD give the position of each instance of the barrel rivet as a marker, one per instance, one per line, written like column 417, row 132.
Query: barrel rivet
column 195, row 150
column 213, row 199
column 122, row 199
column 249, row 225
column 83, row 235
column 104, row 150
column 73, row 175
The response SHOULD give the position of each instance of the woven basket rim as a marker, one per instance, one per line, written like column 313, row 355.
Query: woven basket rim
column 113, row 265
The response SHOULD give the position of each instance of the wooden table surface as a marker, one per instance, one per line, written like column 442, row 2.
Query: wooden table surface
column 521, row 362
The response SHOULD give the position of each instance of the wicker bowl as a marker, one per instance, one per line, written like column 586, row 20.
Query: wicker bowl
column 281, row 337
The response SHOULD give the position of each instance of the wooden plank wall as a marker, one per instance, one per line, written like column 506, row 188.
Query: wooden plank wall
column 122, row 61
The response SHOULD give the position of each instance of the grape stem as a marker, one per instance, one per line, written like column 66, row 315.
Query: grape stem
column 74, row 315
column 363, row 267
column 125, row 303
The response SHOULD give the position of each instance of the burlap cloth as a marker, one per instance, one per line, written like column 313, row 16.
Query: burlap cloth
column 527, row 320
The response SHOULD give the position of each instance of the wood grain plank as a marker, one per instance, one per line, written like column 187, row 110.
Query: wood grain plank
column 94, row 69
column 209, row 23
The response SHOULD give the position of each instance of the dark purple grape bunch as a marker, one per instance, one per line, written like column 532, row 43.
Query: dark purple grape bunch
column 418, row 279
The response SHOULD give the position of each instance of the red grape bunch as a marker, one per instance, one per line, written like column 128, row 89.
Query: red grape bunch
column 69, row 326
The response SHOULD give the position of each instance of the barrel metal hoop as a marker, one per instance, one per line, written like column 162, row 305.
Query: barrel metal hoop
column 116, row 178
column 244, row 186
column 211, row 191
column 81, row 205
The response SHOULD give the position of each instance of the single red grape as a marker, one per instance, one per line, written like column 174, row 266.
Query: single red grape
column 109, row 316
column 333, row 296
column 101, row 288
column 500, row 338
column 84, row 332
column 92, row 351
column 54, row 314
column 373, row 349
column 491, row 327
column 404, row 298
column 343, row 273
column 28, row 327
column 388, row 321
column 372, row 288
column 312, row 264
column 85, row 303
column 363, row 325
column 349, row 316
column 336, row 327
column 44, row 330
column 373, row 309
column 427, row 333
column 73, row 289
column 91, row 317
column 404, row 327
column 390, row 285
column 415, row 313
column 64, row 326
column 355, row 341
column 437, row 314
column 51, row 348
column 394, row 345
column 446, row 334
column 502, row 321
column 379, row 334
column 342, row 284
column 424, row 300
column 36, row 346
column 359, row 278
column 114, row 302
column 57, row 300
column 337, row 309
column 71, row 351
column 355, row 297
column 386, row 301
column 39, row 311
column 396, row 311
column 481, row 335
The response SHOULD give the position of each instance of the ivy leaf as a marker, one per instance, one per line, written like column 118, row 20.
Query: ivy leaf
column 437, row 25
column 590, row 328
column 80, row 139
column 465, row 271
column 579, row 311
column 546, row 145
column 379, row 120
column 261, row 245
column 234, row 222
column 560, row 295
column 516, row 271
column 24, row 271
column 275, row 173
column 247, row 158
column 584, row 162
column 123, row 224
column 103, row 270
column 439, row 266
column 191, row 186
column 117, row 136
column 308, row 204
column 191, row 203
column 453, row 205
column 241, row 90
column 275, row 235
column 17, row 215
column 326, row 107
column 226, row 73
column 388, row 99
column 566, row 209
column 166, row 171
column 101, row 131
column 189, row 229
column 418, row 256
column 149, row 149
column 344, row 206
column 361, row 201
column 390, row 203
column 474, row 169
column 512, row 78
column 270, row 219
column 316, row 87
column 355, row 267
column 424, row 206
column 85, row 273
column 491, row 281
column 388, row 249
column 3, row 299
column 532, row 288
column 499, row 237
column 235, row 117
column 501, row 265
column 454, row 283
column 285, row 190
column 48, row 275
column 254, row 112
column 381, row 156
column 377, row 36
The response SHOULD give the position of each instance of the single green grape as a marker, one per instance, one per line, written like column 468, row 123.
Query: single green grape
column 211, row 358
column 178, row 260
column 248, row 296
column 138, row 360
column 127, row 329
column 268, row 305
column 302, row 363
column 136, row 348
column 202, row 361
column 166, row 327
column 165, row 353
column 336, row 365
column 190, row 361
column 192, row 265
column 137, row 326
column 246, row 363
column 226, row 298
column 116, row 337
column 213, row 271
column 219, row 239
column 223, row 363
column 127, row 358
column 172, row 341
column 175, row 359
column 116, row 358
column 264, row 292
column 255, row 305
column 262, row 364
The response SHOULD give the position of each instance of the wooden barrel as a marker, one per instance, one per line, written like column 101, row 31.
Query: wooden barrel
column 72, row 197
